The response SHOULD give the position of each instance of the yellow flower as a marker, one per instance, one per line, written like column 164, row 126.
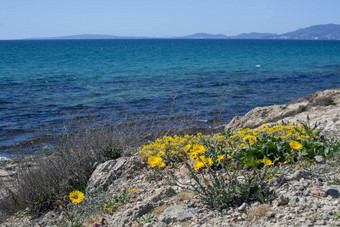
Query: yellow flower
column 265, row 127
column 76, row 196
column 133, row 190
column 267, row 161
column 250, row 139
column 186, row 147
column 198, row 165
column 294, row 123
column 161, row 153
column 174, row 152
column 295, row 145
column 198, row 149
column 209, row 161
column 156, row 161
column 220, row 158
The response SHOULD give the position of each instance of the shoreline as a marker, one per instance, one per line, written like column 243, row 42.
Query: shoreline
column 305, row 188
column 321, row 106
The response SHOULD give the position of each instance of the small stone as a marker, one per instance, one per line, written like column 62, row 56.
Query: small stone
column 270, row 215
column 176, row 213
column 321, row 222
column 158, row 224
column 323, row 194
column 290, row 216
column 242, row 207
column 333, row 192
column 315, row 193
column 283, row 201
column 301, row 174
column 306, row 192
column 299, row 187
column 319, row 160
column 243, row 216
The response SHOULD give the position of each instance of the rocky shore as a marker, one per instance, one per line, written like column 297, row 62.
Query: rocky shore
column 306, row 195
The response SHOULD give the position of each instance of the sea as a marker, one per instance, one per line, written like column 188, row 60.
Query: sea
column 45, row 83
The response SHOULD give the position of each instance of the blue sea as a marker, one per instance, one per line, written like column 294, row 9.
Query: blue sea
column 44, row 83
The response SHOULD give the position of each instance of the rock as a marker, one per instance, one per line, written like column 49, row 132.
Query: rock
column 242, row 207
column 158, row 224
column 105, row 174
column 315, row 193
column 176, row 213
column 129, row 215
column 270, row 214
column 320, row 222
column 262, row 115
column 282, row 201
column 326, row 102
column 301, row 174
column 160, row 194
column 319, row 159
column 333, row 192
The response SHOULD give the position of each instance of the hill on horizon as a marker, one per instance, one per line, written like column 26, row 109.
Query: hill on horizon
column 315, row 32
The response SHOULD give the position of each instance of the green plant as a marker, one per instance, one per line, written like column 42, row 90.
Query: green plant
column 117, row 200
column 146, row 218
column 111, row 152
column 153, row 176
column 43, row 201
column 220, row 191
column 217, row 161
column 336, row 215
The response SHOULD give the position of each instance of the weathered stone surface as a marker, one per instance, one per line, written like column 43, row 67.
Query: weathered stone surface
column 321, row 107
column 176, row 213
column 333, row 192
column 127, row 216
column 319, row 159
column 105, row 174
column 301, row 174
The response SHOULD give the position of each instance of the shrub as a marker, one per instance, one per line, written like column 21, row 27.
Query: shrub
column 215, row 162
column 78, row 148
column 111, row 152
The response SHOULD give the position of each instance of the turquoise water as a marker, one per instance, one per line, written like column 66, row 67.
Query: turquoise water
column 42, row 83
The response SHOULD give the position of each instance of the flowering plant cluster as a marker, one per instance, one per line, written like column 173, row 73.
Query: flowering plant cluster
column 274, row 145
column 226, row 168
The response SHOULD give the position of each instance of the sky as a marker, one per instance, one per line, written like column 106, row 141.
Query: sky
column 160, row 18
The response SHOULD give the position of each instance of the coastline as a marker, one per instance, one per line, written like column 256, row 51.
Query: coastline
column 323, row 107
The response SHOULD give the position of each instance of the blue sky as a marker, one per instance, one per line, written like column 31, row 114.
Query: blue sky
column 160, row 18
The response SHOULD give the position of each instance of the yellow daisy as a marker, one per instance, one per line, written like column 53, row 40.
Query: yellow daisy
column 76, row 196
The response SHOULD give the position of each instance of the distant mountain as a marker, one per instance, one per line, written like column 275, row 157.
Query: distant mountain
column 253, row 35
column 323, row 32
column 92, row 36
column 204, row 36
column 316, row 32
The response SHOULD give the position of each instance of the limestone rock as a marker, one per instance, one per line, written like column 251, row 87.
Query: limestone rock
column 321, row 107
column 105, row 174
column 319, row 159
column 176, row 213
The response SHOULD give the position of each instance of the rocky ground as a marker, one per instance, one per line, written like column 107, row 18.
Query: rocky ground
column 321, row 107
column 306, row 194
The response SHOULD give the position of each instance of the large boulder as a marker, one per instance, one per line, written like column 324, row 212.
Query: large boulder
column 321, row 107
column 108, row 172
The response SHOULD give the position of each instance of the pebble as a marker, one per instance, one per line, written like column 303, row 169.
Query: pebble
column 319, row 159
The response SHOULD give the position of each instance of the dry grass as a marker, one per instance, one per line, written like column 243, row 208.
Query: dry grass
column 259, row 211
column 185, row 223
column 183, row 196
column 158, row 210
column 78, row 149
